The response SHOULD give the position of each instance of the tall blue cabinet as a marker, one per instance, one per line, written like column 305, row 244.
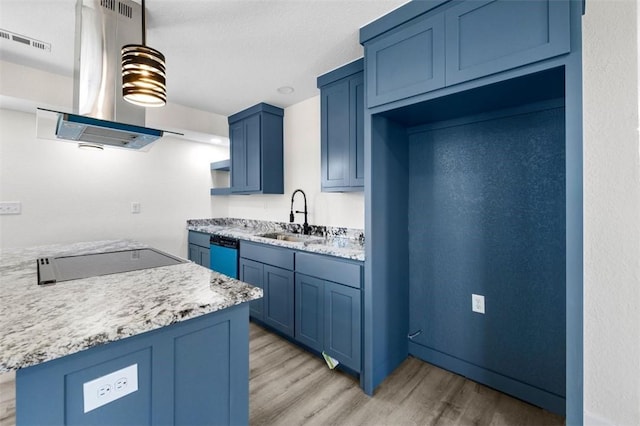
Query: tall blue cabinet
column 342, row 128
column 256, row 140
column 473, row 185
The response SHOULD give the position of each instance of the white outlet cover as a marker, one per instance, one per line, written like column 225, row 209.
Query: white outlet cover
column 10, row 207
column 106, row 389
column 477, row 303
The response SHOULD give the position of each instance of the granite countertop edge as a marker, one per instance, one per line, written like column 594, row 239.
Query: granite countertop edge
column 345, row 243
column 43, row 323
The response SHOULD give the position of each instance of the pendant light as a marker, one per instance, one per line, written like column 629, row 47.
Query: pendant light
column 143, row 73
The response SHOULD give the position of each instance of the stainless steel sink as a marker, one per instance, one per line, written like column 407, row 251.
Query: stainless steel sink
column 294, row 238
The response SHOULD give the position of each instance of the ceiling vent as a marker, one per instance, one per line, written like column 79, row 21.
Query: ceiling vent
column 27, row 41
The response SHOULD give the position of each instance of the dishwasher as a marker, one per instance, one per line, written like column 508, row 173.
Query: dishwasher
column 224, row 255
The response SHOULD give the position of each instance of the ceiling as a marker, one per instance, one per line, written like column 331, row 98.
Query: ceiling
column 222, row 55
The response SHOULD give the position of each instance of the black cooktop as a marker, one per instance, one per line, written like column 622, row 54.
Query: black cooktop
column 66, row 268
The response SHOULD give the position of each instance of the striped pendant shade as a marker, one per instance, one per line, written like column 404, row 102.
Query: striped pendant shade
column 143, row 76
column 143, row 73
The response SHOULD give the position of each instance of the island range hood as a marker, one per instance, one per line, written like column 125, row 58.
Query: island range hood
column 101, row 115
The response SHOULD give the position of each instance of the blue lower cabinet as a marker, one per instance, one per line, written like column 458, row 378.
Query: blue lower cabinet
column 199, row 248
column 271, row 269
column 310, row 311
column 342, row 324
column 328, row 318
column 278, row 299
column 194, row 372
column 252, row 272
column 312, row 298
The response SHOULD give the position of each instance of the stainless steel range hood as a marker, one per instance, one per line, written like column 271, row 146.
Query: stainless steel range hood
column 100, row 114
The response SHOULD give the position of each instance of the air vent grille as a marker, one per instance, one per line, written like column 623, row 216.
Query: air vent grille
column 25, row 40
column 125, row 10
column 122, row 9
column 108, row 4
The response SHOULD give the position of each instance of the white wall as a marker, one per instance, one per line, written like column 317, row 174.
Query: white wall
column 69, row 194
column 611, row 214
column 302, row 170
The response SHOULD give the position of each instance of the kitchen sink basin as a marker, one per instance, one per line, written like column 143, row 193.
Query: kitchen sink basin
column 295, row 238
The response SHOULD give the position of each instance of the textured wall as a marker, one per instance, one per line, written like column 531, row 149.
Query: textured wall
column 487, row 216
column 611, row 214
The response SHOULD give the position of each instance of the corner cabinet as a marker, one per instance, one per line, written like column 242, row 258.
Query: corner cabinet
column 256, row 138
column 199, row 248
column 342, row 128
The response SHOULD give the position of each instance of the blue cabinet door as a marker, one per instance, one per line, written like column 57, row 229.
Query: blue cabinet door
column 309, row 311
column 406, row 62
column 257, row 165
column 245, row 155
column 252, row 272
column 238, row 156
column 342, row 319
column 356, row 145
column 489, row 36
column 199, row 248
column 199, row 255
column 335, row 135
column 342, row 128
column 278, row 299
column 253, row 161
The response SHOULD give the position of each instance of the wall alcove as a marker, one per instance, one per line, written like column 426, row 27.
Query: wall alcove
column 469, row 196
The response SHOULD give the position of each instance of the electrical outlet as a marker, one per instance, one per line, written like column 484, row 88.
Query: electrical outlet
column 10, row 207
column 477, row 303
column 106, row 389
column 135, row 207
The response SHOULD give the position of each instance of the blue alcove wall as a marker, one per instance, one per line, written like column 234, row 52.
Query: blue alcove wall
column 486, row 215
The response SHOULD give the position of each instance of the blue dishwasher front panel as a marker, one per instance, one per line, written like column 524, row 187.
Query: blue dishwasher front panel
column 224, row 256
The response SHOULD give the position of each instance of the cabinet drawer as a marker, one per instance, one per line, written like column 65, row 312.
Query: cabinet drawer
column 407, row 62
column 276, row 256
column 489, row 36
column 199, row 238
column 325, row 268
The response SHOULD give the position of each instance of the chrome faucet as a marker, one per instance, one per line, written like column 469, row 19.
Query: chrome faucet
column 305, row 225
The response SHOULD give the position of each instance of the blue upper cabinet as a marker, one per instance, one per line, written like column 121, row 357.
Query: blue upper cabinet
column 408, row 55
column 489, row 36
column 256, row 136
column 406, row 62
column 342, row 128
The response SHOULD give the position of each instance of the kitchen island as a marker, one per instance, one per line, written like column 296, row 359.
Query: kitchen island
column 183, row 327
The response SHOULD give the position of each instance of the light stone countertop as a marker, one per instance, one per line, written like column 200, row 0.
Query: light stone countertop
column 332, row 241
column 42, row 323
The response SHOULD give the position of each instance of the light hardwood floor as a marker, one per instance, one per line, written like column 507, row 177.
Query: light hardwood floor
column 290, row 386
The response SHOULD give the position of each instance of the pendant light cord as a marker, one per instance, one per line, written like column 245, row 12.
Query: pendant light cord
column 144, row 25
